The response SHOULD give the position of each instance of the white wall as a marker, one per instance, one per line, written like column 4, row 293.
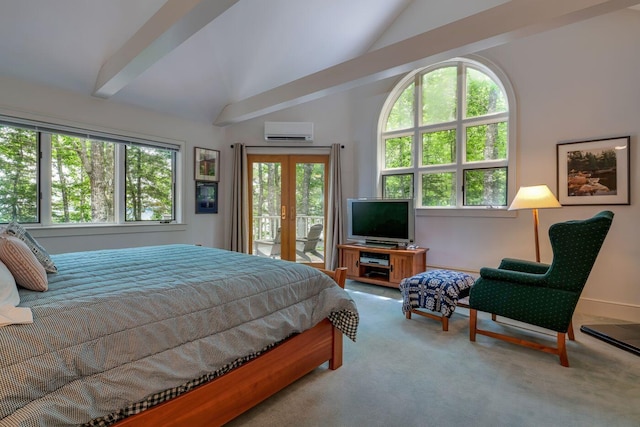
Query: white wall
column 574, row 83
column 578, row 82
column 34, row 101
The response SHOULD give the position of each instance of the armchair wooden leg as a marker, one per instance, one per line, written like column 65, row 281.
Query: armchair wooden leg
column 562, row 350
column 407, row 315
column 572, row 337
column 473, row 323
column 493, row 317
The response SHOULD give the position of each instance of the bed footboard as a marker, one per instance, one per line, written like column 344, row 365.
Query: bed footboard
column 224, row 398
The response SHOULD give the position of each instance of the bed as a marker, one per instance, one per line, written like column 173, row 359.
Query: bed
column 171, row 335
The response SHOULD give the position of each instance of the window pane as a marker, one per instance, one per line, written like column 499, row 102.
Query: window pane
column 397, row 186
column 82, row 180
column 439, row 148
column 310, row 191
column 149, row 184
column 18, row 175
column 483, row 95
column 487, row 142
column 267, row 198
column 398, row 152
column 439, row 95
column 485, row 187
column 401, row 116
column 439, row 189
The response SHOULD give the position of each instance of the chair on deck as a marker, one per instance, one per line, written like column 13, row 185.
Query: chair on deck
column 309, row 244
column 273, row 249
column 540, row 294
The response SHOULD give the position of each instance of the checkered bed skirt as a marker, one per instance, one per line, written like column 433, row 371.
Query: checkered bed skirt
column 435, row 290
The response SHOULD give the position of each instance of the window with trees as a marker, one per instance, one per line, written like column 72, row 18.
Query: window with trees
column 51, row 176
column 446, row 137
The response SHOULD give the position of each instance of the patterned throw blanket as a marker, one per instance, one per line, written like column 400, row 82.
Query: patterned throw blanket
column 123, row 329
column 435, row 290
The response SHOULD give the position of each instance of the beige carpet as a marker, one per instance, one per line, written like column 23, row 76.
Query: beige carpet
column 409, row 373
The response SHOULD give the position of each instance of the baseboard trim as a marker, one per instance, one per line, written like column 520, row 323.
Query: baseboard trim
column 610, row 309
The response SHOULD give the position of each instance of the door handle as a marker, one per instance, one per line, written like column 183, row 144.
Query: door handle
column 283, row 213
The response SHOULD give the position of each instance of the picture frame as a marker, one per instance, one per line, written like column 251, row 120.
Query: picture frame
column 206, row 164
column 206, row 197
column 594, row 172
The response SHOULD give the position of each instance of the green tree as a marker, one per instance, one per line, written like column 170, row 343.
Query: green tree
column 18, row 174
column 149, row 183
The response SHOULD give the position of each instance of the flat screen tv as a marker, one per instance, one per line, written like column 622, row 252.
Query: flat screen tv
column 381, row 222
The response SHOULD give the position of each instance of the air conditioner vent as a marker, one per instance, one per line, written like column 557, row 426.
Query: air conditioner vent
column 288, row 131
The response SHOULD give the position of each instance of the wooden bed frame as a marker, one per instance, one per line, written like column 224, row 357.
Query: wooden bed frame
column 223, row 399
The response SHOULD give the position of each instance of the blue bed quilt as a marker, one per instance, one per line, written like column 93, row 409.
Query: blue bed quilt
column 119, row 326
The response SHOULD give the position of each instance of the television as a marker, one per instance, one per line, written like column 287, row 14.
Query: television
column 381, row 222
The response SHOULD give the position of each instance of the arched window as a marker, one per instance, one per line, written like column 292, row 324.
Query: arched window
column 446, row 137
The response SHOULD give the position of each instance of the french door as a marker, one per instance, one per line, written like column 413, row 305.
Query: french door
column 288, row 199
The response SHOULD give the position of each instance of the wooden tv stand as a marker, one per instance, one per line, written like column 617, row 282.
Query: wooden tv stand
column 381, row 266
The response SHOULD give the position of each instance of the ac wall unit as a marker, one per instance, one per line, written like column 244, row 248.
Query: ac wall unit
column 288, row 131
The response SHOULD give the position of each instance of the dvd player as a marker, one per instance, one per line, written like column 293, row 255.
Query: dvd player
column 374, row 258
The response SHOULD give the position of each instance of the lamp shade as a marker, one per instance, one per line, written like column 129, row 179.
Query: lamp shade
column 534, row 197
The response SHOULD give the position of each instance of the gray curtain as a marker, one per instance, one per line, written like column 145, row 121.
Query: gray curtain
column 335, row 214
column 239, row 201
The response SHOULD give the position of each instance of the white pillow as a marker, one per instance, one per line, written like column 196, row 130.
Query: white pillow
column 8, row 290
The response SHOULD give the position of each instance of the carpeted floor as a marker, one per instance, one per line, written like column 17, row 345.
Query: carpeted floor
column 409, row 373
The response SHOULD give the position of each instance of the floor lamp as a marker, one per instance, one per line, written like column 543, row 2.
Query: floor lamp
column 535, row 197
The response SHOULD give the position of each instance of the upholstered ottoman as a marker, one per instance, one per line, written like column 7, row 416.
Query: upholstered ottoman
column 435, row 290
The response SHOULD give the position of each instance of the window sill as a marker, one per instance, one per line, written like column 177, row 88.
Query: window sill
column 101, row 229
column 467, row 212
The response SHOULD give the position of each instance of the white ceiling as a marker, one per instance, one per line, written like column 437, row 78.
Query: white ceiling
column 195, row 57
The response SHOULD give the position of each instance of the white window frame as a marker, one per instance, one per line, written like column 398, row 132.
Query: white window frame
column 460, row 122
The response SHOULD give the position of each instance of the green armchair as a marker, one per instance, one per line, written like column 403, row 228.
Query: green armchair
column 540, row 294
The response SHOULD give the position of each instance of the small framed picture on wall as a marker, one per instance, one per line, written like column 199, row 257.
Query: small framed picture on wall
column 206, row 197
column 206, row 164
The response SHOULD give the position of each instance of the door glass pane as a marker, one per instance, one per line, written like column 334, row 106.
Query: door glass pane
column 310, row 190
column 266, row 195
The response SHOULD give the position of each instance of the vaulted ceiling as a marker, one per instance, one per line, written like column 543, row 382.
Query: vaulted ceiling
column 224, row 61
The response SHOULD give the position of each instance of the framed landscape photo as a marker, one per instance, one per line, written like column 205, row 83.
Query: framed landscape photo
column 594, row 172
column 207, row 164
column 206, row 197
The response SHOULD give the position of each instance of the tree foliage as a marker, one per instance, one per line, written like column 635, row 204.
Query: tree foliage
column 398, row 152
column 439, row 95
column 398, row 186
column 267, row 194
column 18, row 175
column 149, row 184
column 484, row 137
column 401, row 115
column 83, row 179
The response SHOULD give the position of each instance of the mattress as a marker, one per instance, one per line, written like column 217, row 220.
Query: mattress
column 117, row 327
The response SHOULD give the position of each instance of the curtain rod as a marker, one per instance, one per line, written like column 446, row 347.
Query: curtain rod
column 288, row 146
